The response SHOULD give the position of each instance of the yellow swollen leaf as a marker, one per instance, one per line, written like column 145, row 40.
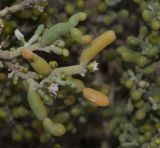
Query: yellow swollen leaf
column 96, row 46
column 40, row 65
column 37, row 62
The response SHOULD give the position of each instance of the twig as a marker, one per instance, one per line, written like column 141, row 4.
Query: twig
column 8, row 55
column 1, row 25
column 68, row 70
column 18, row 71
column 18, row 7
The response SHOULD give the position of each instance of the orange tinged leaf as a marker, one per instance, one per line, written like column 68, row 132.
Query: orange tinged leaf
column 96, row 97
column 27, row 54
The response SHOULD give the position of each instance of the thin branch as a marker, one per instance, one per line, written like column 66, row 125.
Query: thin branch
column 18, row 7
column 12, row 9
column 18, row 71
column 8, row 55
column 68, row 70
column 1, row 25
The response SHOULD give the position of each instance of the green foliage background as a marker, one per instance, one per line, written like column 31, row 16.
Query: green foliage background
column 128, row 73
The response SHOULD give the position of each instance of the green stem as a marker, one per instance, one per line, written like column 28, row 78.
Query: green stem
column 69, row 70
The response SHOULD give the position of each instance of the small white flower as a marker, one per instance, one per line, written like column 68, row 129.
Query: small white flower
column 53, row 88
column 93, row 66
column 18, row 34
